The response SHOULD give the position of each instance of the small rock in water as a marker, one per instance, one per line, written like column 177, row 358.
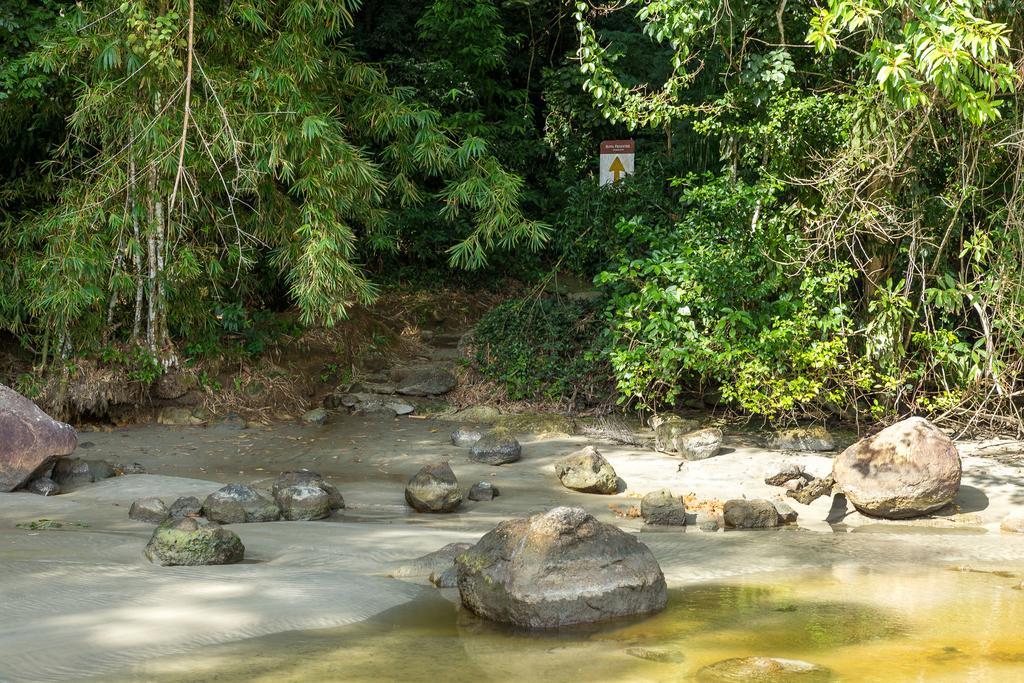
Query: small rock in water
column 375, row 408
column 815, row 438
column 559, row 568
column 100, row 469
column 466, row 436
column 431, row 563
column 129, row 468
column 317, row 416
column 787, row 473
column 698, row 445
column 661, row 507
column 449, row 578
column 237, row 503
column 193, row 541
column 434, row 489
column 787, row 515
column 707, row 521
column 303, row 502
column 655, row 654
column 812, row 490
column 496, row 447
column 312, row 478
column 587, row 471
column 151, row 510
column 483, row 490
column 750, row 514
column 69, row 472
column 44, row 486
column 763, row 670
column 86, row 445
column 186, row 506
column 1014, row 523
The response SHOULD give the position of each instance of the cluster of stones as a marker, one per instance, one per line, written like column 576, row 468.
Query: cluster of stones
column 434, row 488
column 675, row 435
column 189, row 531
column 382, row 398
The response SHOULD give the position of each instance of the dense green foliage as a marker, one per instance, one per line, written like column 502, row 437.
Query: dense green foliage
column 825, row 216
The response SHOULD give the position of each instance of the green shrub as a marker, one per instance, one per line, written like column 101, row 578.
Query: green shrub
column 544, row 349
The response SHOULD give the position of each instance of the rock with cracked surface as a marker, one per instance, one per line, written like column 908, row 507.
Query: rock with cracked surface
column 908, row 469
column 559, row 568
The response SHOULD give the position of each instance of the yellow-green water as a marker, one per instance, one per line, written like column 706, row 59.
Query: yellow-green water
column 900, row 624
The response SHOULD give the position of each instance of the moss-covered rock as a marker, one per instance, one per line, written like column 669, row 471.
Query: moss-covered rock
column 192, row 541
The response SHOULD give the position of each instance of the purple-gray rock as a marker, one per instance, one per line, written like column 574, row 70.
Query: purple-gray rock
column 30, row 440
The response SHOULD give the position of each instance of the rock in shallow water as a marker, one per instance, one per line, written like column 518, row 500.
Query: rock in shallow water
column 663, row 508
column 193, row 541
column 559, row 568
column 71, row 472
column 237, row 503
column 432, row 563
column 317, row 416
column 483, row 491
column 496, row 447
column 30, row 440
column 434, row 489
column 908, row 469
column 587, row 471
column 186, row 506
column 150, row 510
column 762, row 670
column 466, row 436
column 44, row 486
column 750, row 514
column 304, row 476
column 303, row 502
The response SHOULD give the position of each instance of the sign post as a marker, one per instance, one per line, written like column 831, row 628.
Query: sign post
column 616, row 160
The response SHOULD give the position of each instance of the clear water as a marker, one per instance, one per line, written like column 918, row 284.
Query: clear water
column 901, row 624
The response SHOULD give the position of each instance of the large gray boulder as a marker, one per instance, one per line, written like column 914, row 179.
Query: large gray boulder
column 434, row 489
column 425, row 380
column 558, row 568
column 763, row 670
column 193, row 541
column 587, row 471
column 30, row 440
column 311, row 478
column 237, row 503
column 700, row 444
column 496, row 447
column 663, row 508
column 908, row 469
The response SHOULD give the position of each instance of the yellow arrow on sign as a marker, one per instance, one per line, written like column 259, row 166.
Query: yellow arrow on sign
column 617, row 169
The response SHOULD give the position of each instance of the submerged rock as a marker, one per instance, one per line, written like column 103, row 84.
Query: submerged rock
column 496, row 447
column 30, row 440
column 434, row 489
column 304, row 476
column 237, row 503
column 193, row 541
column 449, row 578
column 151, row 510
column 762, row 670
column 466, row 436
column 814, row 438
column 303, row 502
column 587, row 471
column 43, row 486
column 655, row 654
column 186, row 506
column 558, row 568
column 317, row 416
column 129, row 468
column 1014, row 523
column 908, row 469
column 483, row 490
column 750, row 514
column 100, row 469
column 663, row 508
column 431, row 563
column 698, row 445
column 71, row 472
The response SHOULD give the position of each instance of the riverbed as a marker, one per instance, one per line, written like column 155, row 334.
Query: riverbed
column 932, row 599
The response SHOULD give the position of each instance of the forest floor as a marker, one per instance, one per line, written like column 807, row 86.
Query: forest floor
column 82, row 601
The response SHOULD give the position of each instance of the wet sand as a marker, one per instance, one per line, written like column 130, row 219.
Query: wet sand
column 82, row 601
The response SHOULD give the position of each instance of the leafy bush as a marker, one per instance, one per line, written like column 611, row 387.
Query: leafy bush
column 546, row 348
